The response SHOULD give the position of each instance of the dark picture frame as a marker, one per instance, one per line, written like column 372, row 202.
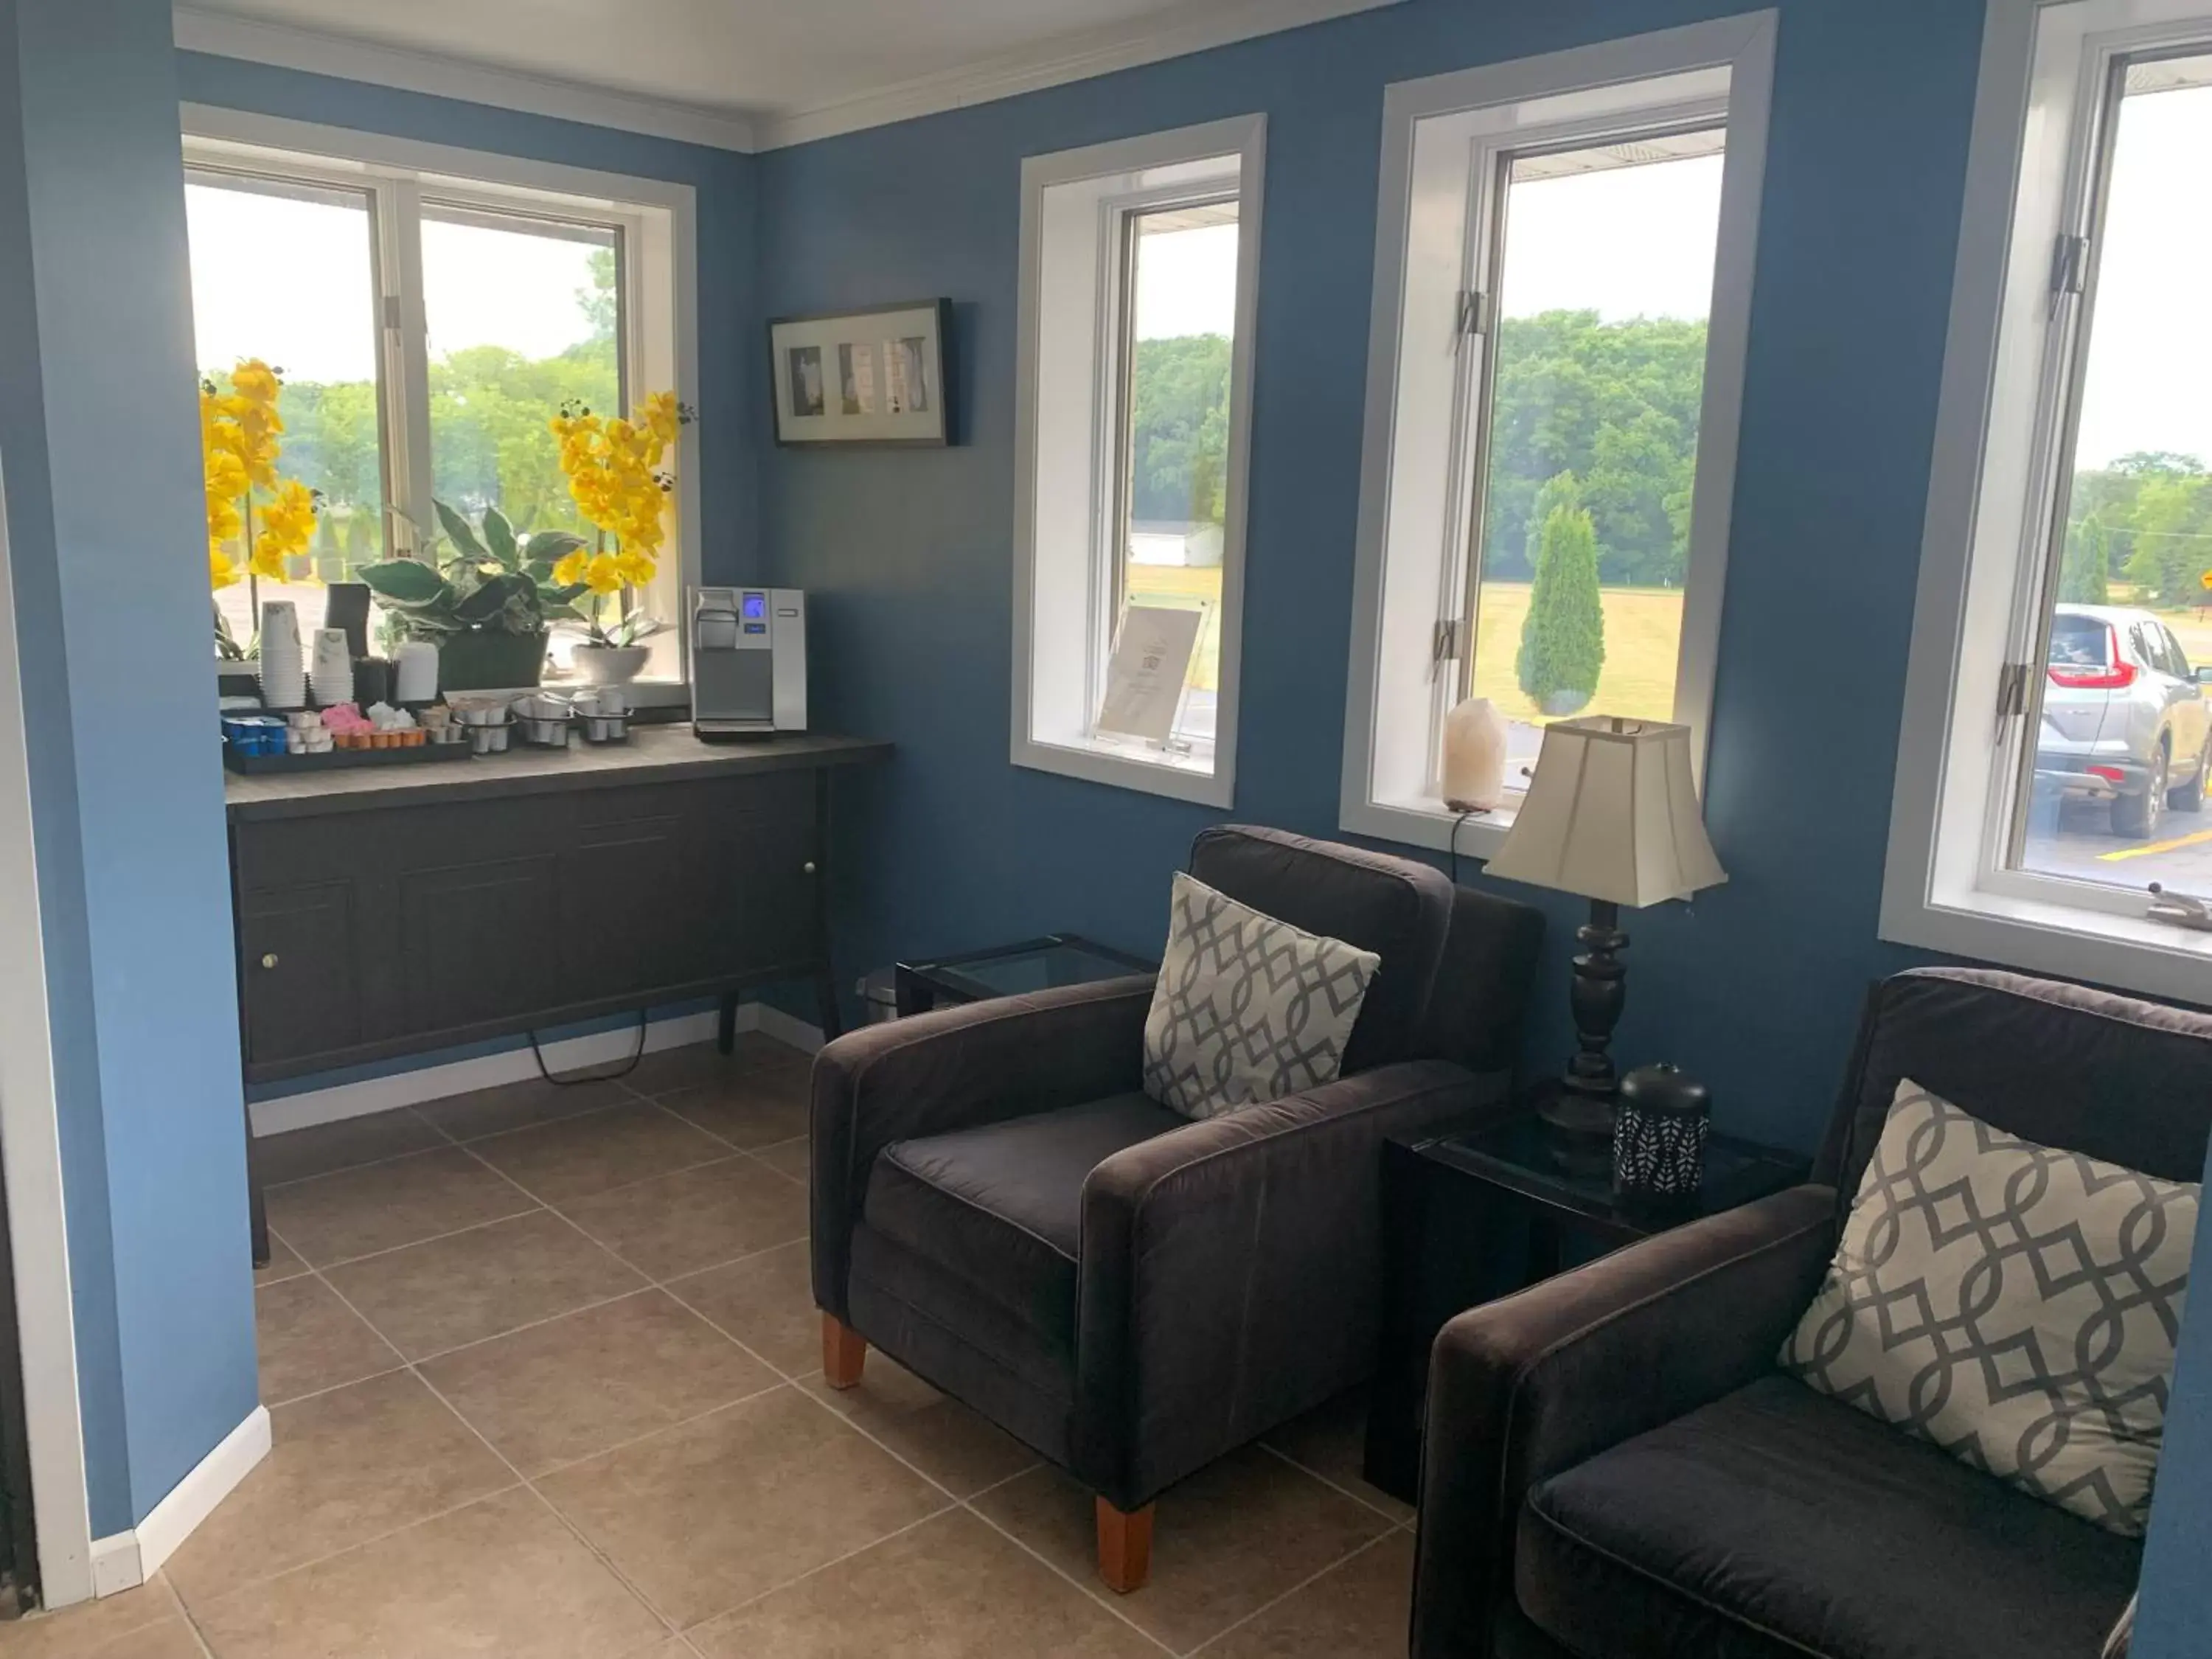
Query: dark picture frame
column 871, row 379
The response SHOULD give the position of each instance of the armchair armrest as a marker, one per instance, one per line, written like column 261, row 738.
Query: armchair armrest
column 1542, row 1380
column 954, row 1069
column 1231, row 1272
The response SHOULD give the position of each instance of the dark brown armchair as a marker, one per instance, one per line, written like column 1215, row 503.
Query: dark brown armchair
column 1614, row 1469
column 998, row 1208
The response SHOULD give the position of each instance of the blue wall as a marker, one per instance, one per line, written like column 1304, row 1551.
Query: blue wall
column 111, row 605
column 908, row 554
column 2177, row 1603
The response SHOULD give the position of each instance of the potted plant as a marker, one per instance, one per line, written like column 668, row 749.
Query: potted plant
column 487, row 608
column 615, row 473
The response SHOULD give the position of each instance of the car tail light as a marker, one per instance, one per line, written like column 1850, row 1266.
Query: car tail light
column 2117, row 677
column 2110, row 774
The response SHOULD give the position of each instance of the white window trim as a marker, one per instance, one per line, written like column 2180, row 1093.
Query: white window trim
column 1099, row 762
column 661, row 303
column 2025, row 182
column 1513, row 104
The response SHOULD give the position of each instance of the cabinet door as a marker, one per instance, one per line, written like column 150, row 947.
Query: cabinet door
column 298, row 947
column 628, row 922
column 479, row 942
column 761, row 850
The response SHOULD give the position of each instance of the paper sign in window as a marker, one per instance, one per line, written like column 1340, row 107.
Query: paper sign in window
column 1145, row 675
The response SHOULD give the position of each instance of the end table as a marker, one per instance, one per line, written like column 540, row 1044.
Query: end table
column 1474, row 1214
column 1005, row 970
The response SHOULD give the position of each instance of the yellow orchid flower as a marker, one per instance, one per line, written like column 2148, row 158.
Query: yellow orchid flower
column 255, row 381
column 634, row 567
column 568, row 570
column 222, row 573
column 602, row 575
column 662, row 416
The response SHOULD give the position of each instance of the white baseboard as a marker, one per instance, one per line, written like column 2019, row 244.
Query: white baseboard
column 784, row 1028
column 382, row 1094
column 123, row 1560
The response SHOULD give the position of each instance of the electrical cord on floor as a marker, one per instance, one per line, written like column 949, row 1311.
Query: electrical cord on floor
column 569, row 1079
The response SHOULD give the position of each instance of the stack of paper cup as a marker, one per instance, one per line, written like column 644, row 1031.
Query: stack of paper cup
column 332, row 674
column 284, row 669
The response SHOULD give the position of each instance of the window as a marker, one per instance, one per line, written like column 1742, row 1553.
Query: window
column 2058, row 739
column 1562, row 272
column 429, row 311
column 1140, row 266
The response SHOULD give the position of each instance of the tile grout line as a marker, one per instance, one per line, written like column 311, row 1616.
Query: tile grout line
column 1335, row 1486
column 950, row 1506
column 1310, row 1579
column 434, row 1238
column 621, row 1577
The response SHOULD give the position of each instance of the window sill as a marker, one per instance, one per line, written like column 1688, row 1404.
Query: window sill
column 1425, row 821
column 2039, row 936
column 1191, row 778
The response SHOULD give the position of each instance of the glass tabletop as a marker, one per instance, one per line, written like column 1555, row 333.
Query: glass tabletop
column 1033, row 965
column 1517, row 1154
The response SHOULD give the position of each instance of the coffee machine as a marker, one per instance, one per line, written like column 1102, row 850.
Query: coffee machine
column 748, row 661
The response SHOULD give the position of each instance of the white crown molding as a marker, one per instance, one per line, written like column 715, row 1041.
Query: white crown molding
column 1072, row 57
column 1056, row 62
column 315, row 52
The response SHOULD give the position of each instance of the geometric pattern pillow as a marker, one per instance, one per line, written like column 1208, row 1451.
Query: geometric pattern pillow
column 1247, row 1008
column 2016, row 1304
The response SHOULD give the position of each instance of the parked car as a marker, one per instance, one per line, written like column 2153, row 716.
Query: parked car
column 2124, row 717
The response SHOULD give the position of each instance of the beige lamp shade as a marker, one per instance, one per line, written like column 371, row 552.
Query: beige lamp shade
column 1612, row 813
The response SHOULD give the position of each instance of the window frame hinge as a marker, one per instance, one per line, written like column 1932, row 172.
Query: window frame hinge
column 1446, row 644
column 393, row 321
column 2069, row 267
column 1476, row 316
column 2012, row 691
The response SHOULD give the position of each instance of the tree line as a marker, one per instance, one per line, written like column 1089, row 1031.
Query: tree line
column 2146, row 520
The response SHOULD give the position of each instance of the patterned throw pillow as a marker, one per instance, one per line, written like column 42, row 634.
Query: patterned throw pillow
column 2016, row 1304
column 1247, row 1008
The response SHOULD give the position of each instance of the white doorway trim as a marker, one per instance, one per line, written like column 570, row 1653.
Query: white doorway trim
column 30, row 1132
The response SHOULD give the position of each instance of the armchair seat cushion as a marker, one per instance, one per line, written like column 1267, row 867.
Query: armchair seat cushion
column 1000, row 1206
column 1778, row 1523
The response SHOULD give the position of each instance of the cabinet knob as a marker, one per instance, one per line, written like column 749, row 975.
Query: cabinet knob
column 270, row 960
column 810, row 866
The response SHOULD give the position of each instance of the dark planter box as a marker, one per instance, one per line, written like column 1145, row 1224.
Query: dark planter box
column 487, row 659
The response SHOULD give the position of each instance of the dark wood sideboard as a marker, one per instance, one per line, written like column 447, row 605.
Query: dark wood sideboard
column 392, row 911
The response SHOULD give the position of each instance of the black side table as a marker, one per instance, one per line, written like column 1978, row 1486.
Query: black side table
column 1005, row 970
column 1471, row 1215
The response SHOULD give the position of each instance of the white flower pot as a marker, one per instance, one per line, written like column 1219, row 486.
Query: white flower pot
column 609, row 664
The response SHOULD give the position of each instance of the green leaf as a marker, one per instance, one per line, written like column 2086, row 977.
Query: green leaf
column 549, row 545
column 490, row 599
column 560, row 610
column 498, row 536
column 566, row 595
column 406, row 582
column 464, row 539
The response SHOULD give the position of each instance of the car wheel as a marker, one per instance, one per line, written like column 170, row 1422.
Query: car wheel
column 2137, row 815
column 2190, row 797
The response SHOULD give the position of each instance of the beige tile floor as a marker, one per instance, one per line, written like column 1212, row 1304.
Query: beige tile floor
column 544, row 1371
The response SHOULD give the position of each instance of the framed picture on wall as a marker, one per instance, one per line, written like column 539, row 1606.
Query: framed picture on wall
column 872, row 377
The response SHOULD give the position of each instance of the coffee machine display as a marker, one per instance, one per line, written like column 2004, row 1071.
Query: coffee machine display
column 748, row 661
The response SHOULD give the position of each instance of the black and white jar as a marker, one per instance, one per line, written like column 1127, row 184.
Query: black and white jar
column 1659, row 1121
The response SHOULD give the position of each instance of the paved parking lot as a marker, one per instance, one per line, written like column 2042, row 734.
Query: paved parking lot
column 2081, row 844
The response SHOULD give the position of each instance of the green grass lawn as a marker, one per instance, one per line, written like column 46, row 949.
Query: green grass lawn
column 1642, row 637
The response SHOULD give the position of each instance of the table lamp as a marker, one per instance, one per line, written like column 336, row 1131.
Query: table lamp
column 1611, row 815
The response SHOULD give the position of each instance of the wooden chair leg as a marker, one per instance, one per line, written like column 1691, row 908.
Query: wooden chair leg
column 843, row 1349
column 1125, row 1547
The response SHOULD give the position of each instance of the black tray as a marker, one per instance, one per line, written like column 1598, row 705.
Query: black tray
column 335, row 760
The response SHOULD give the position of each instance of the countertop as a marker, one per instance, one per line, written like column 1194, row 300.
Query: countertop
column 654, row 754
